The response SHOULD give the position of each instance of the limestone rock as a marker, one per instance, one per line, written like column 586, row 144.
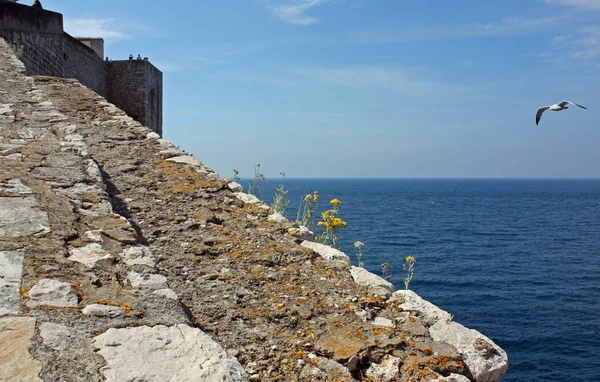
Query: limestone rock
column 14, row 186
column 54, row 335
column 170, row 153
column 52, row 293
column 486, row 360
column 277, row 217
column 247, row 198
column 363, row 277
column 235, row 187
column 452, row 378
column 139, row 256
column 16, row 364
column 103, row 311
column 94, row 236
column 302, row 233
column 161, row 353
column 385, row 371
column 90, row 255
column 168, row 293
column 326, row 252
column 186, row 159
column 152, row 135
column 11, row 269
column 382, row 321
column 20, row 217
column 412, row 301
column 149, row 280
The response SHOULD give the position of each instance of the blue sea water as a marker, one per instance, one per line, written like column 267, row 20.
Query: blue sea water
column 518, row 260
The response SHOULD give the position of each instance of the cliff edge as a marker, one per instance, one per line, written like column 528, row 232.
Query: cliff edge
column 124, row 259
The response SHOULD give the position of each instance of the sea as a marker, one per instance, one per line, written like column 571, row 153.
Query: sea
column 516, row 259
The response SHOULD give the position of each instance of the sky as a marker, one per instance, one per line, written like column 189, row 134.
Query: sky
column 367, row 88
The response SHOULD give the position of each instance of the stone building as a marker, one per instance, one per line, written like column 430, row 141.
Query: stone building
column 38, row 38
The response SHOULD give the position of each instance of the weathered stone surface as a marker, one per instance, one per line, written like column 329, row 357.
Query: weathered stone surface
column 187, row 159
column 277, row 217
column 161, row 353
column 116, row 227
column 382, row 321
column 11, row 269
column 452, row 378
column 148, row 280
column 168, row 293
column 235, row 187
column 138, row 256
column 247, row 198
column 152, row 135
column 94, row 236
column 103, row 310
column 413, row 302
column 54, row 335
column 170, row 153
column 326, row 252
column 363, row 277
column 21, row 217
column 52, row 293
column 302, row 233
column 14, row 187
column 90, row 255
column 486, row 360
column 385, row 371
column 16, row 364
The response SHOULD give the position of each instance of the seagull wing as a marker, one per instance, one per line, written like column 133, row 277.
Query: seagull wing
column 539, row 113
column 563, row 103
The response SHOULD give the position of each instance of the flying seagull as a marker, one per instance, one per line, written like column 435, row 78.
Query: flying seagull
column 556, row 107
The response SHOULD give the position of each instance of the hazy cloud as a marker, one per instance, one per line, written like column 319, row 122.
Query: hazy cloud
column 511, row 26
column 294, row 12
column 89, row 27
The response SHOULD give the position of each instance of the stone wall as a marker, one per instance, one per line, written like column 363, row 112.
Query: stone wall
column 154, row 97
column 122, row 258
column 42, row 53
column 28, row 19
column 82, row 62
column 136, row 87
column 37, row 37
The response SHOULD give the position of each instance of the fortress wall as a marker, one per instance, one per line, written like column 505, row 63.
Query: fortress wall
column 154, row 99
column 28, row 19
column 135, row 86
column 37, row 37
column 82, row 62
column 42, row 53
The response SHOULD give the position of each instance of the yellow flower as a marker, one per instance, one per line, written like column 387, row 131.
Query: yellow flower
column 316, row 193
column 410, row 259
column 336, row 202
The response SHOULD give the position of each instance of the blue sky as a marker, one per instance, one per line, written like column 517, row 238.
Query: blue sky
column 367, row 88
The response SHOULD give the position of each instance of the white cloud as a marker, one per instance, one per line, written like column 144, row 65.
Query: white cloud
column 583, row 44
column 90, row 27
column 294, row 12
column 511, row 26
column 585, row 4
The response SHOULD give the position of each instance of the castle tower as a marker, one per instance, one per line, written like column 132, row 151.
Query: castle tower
column 135, row 86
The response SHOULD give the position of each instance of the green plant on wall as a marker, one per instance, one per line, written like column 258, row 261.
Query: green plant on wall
column 18, row 49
